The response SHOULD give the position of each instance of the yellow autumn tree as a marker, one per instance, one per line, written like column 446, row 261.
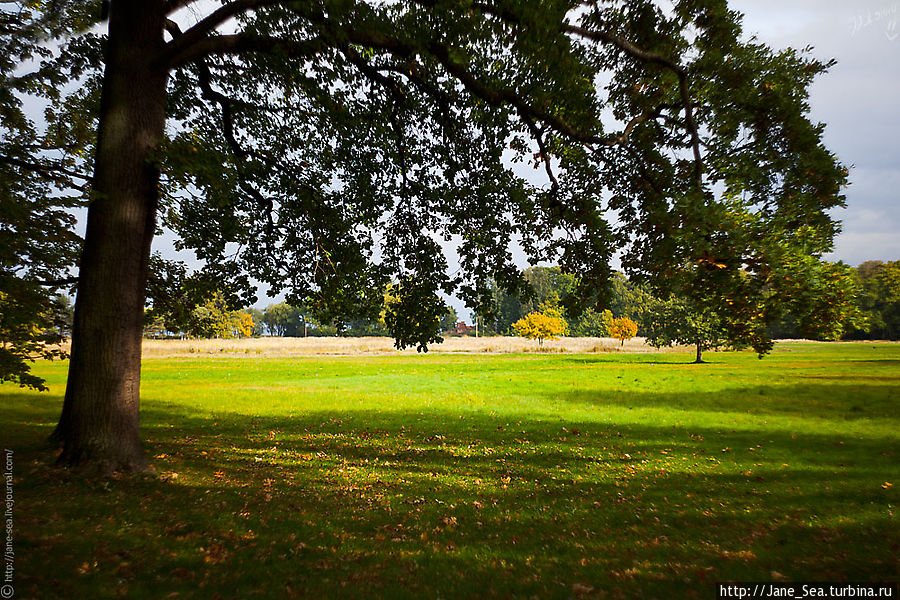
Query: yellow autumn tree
column 623, row 328
column 241, row 324
column 540, row 326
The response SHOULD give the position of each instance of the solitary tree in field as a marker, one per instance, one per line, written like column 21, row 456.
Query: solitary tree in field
column 622, row 328
column 540, row 326
column 322, row 147
column 675, row 322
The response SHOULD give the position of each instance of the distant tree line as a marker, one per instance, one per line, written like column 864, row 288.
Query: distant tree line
column 182, row 305
column 879, row 301
column 210, row 319
column 628, row 309
column 286, row 320
column 864, row 303
column 550, row 287
column 202, row 310
column 190, row 306
column 214, row 319
column 875, row 313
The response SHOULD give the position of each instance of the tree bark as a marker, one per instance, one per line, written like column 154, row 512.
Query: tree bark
column 99, row 425
column 699, row 359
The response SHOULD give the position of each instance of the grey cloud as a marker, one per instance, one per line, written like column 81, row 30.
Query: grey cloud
column 857, row 101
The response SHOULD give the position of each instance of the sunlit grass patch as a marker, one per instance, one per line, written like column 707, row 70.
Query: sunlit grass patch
column 594, row 475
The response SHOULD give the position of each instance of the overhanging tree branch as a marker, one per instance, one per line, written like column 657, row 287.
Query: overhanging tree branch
column 538, row 136
column 178, row 53
column 225, row 103
column 43, row 168
column 239, row 43
column 57, row 282
column 491, row 95
column 207, row 25
column 635, row 52
column 397, row 94
column 653, row 57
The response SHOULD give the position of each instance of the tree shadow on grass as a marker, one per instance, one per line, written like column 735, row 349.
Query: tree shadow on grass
column 637, row 358
column 411, row 504
column 881, row 361
column 839, row 400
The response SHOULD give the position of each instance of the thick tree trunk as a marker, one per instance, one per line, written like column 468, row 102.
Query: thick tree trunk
column 699, row 354
column 100, row 418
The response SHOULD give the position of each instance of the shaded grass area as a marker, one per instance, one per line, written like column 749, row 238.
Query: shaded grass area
column 607, row 476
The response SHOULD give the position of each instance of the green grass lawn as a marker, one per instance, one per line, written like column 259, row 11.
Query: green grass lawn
column 458, row 476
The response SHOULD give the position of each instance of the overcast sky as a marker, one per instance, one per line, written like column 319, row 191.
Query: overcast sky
column 859, row 102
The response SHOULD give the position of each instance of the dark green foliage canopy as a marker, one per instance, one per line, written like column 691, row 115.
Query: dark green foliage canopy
column 327, row 148
column 41, row 180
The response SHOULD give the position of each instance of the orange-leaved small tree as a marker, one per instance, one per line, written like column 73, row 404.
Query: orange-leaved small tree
column 540, row 326
column 623, row 328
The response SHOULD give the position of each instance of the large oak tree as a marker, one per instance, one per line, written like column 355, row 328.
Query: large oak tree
column 326, row 147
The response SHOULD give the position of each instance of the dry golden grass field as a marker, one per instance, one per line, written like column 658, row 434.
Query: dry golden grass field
column 314, row 346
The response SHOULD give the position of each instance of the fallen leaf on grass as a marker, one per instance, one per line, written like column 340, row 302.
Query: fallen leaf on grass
column 739, row 555
column 86, row 568
column 580, row 589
